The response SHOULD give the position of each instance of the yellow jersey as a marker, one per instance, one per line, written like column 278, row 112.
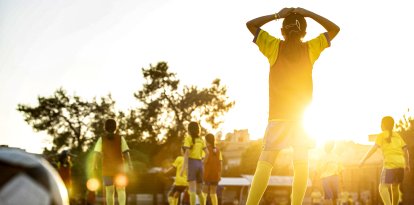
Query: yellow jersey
column 329, row 165
column 180, row 180
column 290, row 80
column 196, row 149
column 392, row 152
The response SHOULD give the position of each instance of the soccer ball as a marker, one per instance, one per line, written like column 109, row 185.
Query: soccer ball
column 28, row 179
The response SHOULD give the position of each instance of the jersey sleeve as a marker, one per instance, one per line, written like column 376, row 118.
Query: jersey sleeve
column 175, row 163
column 187, row 142
column 124, row 145
column 402, row 142
column 317, row 45
column 268, row 45
column 98, row 146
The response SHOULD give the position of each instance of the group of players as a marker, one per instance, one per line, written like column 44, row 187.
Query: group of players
column 290, row 91
column 198, row 170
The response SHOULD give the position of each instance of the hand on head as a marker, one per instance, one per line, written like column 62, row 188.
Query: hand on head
column 287, row 11
column 300, row 11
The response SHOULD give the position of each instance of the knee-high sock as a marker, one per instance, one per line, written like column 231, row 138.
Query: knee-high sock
column 121, row 195
column 109, row 191
column 300, row 181
column 395, row 195
column 170, row 200
column 259, row 183
column 214, row 200
column 385, row 194
column 175, row 200
column 192, row 197
column 205, row 195
column 201, row 198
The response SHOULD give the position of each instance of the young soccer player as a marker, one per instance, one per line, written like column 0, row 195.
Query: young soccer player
column 114, row 152
column 330, row 172
column 180, row 182
column 290, row 91
column 194, row 147
column 64, row 167
column 212, row 169
column 396, row 159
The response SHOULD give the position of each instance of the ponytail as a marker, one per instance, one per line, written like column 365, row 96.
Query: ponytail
column 294, row 28
column 211, row 141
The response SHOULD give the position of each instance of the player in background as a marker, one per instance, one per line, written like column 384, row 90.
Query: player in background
column 396, row 160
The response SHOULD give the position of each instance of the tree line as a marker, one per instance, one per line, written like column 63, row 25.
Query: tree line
column 154, row 130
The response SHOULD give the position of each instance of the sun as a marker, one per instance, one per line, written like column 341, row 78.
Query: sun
column 318, row 125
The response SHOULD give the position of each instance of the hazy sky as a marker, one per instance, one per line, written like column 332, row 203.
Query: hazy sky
column 81, row 45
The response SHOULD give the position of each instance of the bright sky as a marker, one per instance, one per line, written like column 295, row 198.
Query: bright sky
column 81, row 45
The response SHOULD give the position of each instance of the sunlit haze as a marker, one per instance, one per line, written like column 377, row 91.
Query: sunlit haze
column 93, row 47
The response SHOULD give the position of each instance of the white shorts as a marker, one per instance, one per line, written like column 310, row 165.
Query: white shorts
column 281, row 134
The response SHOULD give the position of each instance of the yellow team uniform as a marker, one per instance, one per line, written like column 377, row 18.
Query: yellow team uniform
column 330, row 165
column 290, row 92
column 290, row 89
column 393, row 152
column 180, row 180
column 98, row 146
column 394, row 164
column 196, row 150
column 290, row 83
column 195, row 165
column 113, row 169
column 112, row 165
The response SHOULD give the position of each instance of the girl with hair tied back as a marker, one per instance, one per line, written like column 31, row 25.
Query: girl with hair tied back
column 212, row 169
column 194, row 147
column 290, row 92
column 396, row 159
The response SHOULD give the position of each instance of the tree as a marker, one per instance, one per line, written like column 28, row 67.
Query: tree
column 155, row 128
column 166, row 108
column 72, row 122
column 250, row 157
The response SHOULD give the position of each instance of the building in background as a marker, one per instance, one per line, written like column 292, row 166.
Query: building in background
column 233, row 146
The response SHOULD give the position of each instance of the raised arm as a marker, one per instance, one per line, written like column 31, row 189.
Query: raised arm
column 127, row 158
column 256, row 23
column 95, row 160
column 330, row 27
column 170, row 170
column 185, row 163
